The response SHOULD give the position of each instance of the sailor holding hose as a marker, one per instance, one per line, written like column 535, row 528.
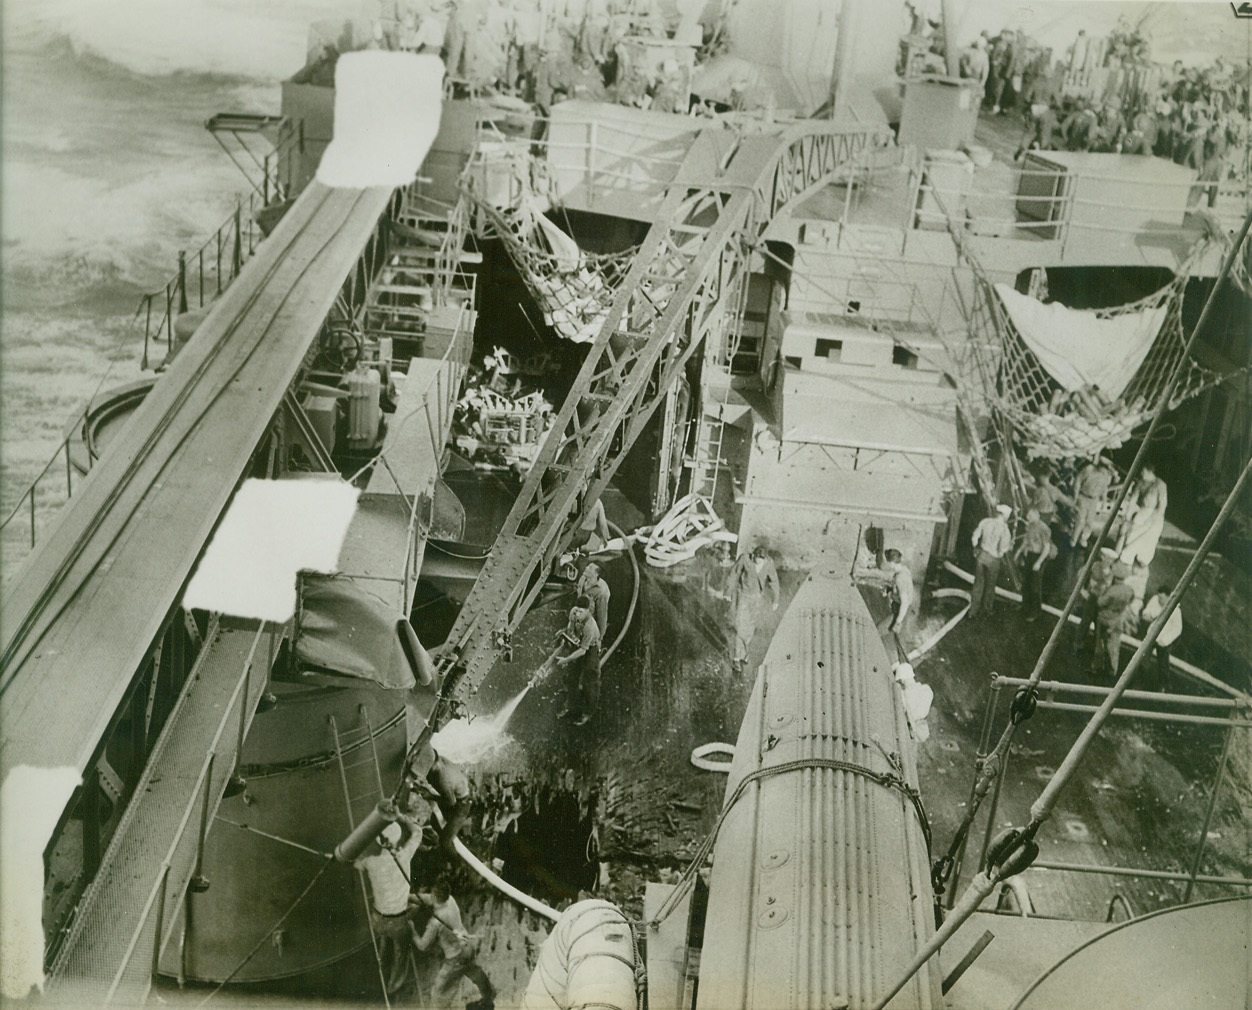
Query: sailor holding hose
column 386, row 863
column 593, row 586
column 583, row 634
column 753, row 576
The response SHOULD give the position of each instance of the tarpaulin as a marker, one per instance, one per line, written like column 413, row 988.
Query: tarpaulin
column 347, row 631
column 272, row 530
column 1079, row 349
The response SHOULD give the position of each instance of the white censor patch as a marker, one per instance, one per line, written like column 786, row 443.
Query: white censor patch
column 31, row 802
column 272, row 530
column 387, row 108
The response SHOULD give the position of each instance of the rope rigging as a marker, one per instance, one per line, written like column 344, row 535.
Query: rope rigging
column 990, row 769
column 573, row 287
column 1051, row 421
column 1014, row 849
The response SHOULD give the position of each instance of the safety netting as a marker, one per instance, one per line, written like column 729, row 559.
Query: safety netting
column 1076, row 382
column 573, row 288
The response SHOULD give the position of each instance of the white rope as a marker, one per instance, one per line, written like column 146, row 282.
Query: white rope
column 689, row 525
column 700, row 757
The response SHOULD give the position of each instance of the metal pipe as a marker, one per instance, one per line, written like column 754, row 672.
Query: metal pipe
column 984, row 749
column 989, row 831
column 980, row 888
column 360, row 837
column 204, row 819
column 1132, row 871
column 963, row 965
column 236, row 261
column 1179, row 699
column 1042, row 807
column 343, row 774
column 1139, row 713
column 243, row 712
column 369, row 730
column 1208, row 814
column 160, row 923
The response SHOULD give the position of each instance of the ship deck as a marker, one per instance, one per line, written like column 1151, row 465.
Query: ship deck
column 101, row 585
column 1137, row 803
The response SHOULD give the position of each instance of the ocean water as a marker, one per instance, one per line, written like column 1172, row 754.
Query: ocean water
column 106, row 172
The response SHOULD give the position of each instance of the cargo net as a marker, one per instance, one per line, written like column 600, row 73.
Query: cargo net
column 1053, row 420
column 573, row 288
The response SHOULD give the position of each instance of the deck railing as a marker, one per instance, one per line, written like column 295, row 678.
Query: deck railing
column 435, row 406
column 182, row 864
column 200, row 277
column 1052, row 213
column 1229, row 713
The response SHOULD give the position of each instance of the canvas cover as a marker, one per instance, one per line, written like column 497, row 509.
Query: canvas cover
column 347, row 631
column 1080, row 347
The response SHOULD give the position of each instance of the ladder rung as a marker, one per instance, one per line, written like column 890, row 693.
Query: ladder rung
column 416, row 290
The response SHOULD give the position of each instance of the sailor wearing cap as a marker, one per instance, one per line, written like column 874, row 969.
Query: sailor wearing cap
column 386, row 864
column 992, row 540
column 1097, row 582
column 1112, row 615
column 1092, row 487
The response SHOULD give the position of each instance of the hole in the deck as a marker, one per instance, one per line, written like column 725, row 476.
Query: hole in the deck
column 551, row 854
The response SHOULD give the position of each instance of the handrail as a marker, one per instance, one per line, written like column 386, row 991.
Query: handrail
column 158, row 898
column 228, row 242
column 445, row 397
column 234, row 242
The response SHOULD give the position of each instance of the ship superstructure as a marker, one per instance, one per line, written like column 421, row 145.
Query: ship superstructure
column 792, row 318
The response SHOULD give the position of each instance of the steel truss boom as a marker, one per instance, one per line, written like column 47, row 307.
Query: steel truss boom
column 681, row 290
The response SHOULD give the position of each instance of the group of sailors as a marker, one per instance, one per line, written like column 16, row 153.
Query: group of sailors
column 1194, row 116
column 534, row 51
column 412, row 912
column 1117, row 600
column 1060, row 524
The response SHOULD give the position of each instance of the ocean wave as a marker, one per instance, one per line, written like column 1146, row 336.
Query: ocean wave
column 156, row 38
column 66, row 234
column 53, row 364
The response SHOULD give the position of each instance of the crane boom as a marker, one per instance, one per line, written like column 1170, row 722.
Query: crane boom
column 681, row 290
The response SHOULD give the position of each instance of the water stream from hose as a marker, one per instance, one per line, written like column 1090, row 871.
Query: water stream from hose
column 466, row 741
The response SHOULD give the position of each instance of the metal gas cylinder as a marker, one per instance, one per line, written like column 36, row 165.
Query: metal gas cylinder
column 364, row 411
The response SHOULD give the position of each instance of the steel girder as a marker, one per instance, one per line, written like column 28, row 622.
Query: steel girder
column 680, row 290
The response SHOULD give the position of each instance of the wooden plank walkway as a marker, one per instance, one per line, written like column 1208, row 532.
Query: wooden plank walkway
column 81, row 616
column 114, row 931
